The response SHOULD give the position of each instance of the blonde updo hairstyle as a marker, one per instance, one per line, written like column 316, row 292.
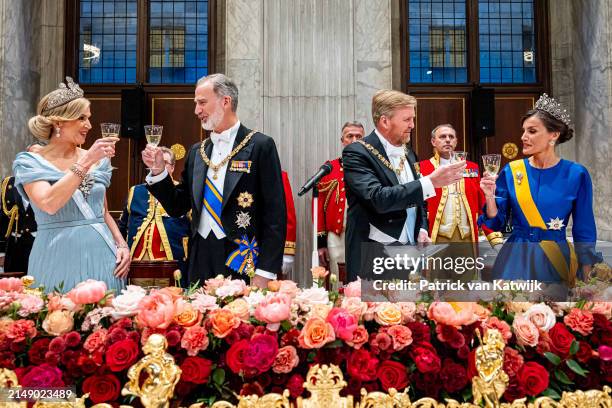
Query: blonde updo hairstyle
column 42, row 125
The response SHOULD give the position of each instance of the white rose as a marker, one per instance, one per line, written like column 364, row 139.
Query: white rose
column 204, row 303
column 126, row 304
column 314, row 295
column 232, row 288
column 254, row 298
column 542, row 316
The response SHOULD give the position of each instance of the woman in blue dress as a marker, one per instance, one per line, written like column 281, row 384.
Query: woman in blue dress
column 543, row 190
column 77, row 238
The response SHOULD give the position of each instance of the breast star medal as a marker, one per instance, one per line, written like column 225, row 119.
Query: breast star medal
column 555, row 224
column 245, row 199
column 243, row 219
column 519, row 177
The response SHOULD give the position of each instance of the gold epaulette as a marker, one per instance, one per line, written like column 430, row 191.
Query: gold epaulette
column 289, row 248
column 12, row 213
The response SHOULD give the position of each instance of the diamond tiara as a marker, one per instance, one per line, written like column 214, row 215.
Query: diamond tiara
column 66, row 92
column 551, row 106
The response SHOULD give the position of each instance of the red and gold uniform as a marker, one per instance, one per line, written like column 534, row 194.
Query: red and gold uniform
column 453, row 218
column 291, row 221
column 331, row 215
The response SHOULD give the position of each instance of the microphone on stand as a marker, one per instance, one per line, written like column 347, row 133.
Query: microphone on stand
column 324, row 170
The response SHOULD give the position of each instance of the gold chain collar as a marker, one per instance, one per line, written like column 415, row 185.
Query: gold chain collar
column 384, row 161
column 218, row 166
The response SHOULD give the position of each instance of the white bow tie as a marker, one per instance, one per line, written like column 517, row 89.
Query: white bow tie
column 223, row 137
column 395, row 151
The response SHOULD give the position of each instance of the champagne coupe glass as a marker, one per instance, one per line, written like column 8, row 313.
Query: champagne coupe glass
column 153, row 134
column 110, row 130
column 456, row 157
column 491, row 164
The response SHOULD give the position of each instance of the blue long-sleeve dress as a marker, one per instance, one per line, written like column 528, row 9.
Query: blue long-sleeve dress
column 557, row 192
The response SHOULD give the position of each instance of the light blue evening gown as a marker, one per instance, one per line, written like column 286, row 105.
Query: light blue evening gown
column 74, row 244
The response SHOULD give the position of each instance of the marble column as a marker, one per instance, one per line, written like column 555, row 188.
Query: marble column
column 304, row 67
column 592, row 63
column 19, row 75
column 31, row 64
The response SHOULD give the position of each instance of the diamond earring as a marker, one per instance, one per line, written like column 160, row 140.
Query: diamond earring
column 552, row 142
column 57, row 132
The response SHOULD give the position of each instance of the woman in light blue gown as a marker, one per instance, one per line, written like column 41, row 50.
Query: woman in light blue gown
column 77, row 238
column 543, row 192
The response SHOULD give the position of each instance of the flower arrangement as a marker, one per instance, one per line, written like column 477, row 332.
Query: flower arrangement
column 231, row 339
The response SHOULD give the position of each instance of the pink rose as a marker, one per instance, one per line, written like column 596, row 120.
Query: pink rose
column 155, row 310
column 286, row 360
column 29, row 304
column 360, row 337
column 261, row 352
column 273, row 309
column 445, row 313
column 240, row 307
column 11, row 284
column 526, row 333
column 195, row 339
column 59, row 302
column 401, row 336
column 580, row 321
column 355, row 306
column 380, row 341
column 353, row 289
column 96, row 341
column 20, row 330
column 211, row 285
column 289, row 288
column 502, row 326
column 542, row 316
column 203, row 302
column 604, row 308
column 89, row 291
column 343, row 322
column 58, row 322
column 408, row 311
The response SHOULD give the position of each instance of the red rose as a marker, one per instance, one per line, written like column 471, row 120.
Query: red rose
column 261, row 353
column 116, row 334
column 235, row 356
column 42, row 376
column 362, row 365
column 560, row 340
column 514, row 390
column 585, row 352
column 425, row 357
column 453, row 376
column 196, row 370
column 87, row 364
column 295, row 385
column 533, row 378
column 121, row 355
column 37, row 351
column 102, row 388
column 291, row 338
column 392, row 374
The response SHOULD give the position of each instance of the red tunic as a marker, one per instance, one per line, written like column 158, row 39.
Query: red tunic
column 472, row 197
column 291, row 223
column 332, row 201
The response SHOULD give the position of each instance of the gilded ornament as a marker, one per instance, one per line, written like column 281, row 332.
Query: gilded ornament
column 245, row 199
column 384, row 161
column 510, row 150
column 178, row 150
column 218, row 166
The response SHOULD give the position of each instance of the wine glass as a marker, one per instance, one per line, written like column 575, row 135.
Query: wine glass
column 110, row 129
column 153, row 134
column 456, row 157
column 491, row 164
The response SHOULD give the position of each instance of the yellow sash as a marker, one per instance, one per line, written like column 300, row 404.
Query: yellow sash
column 534, row 218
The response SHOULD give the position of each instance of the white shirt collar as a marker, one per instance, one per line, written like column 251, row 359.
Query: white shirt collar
column 390, row 150
column 226, row 136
